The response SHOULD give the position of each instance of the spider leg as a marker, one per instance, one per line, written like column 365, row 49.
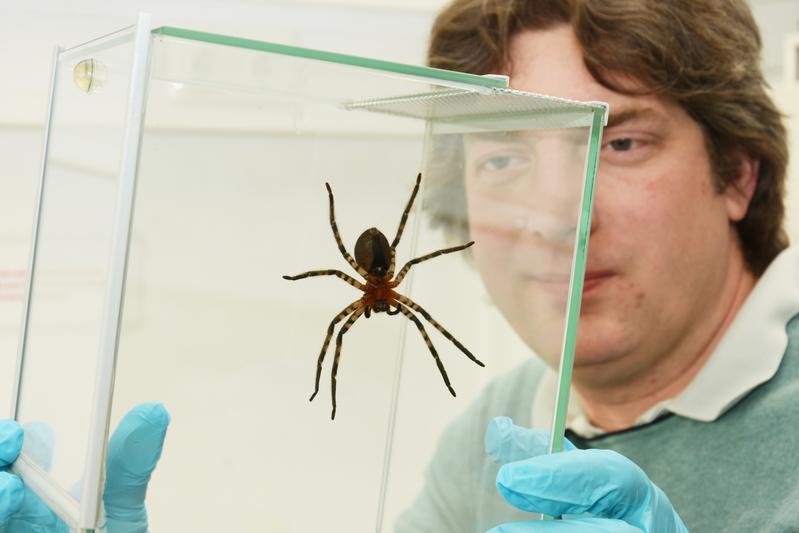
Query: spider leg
column 337, row 273
column 336, row 234
column 350, row 308
column 396, row 311
column 405, row 311
column 418, row 260
column 404, row 219
column 416, row 307
column 353, row 317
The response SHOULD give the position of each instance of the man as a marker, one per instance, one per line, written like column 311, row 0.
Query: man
column 686, row 369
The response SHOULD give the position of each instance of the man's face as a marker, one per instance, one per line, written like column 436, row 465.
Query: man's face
column 661, row 238
column 524, row 191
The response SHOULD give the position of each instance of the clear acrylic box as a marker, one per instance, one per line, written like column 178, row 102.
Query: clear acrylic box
column 184, row 175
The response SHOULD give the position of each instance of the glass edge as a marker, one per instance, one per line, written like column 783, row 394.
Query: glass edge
column 99, row 431
column 34, row 240
column 575, row 296
column 107, row 40
column 334, row 57
column 583, row 106
column 57, row 498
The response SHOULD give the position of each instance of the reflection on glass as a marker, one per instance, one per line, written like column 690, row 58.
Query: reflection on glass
column 518, row 195
column 523, row 200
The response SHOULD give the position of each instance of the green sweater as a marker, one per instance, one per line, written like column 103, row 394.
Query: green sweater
column 738, row 473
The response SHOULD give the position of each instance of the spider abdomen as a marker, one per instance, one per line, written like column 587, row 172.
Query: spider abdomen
column 373, row 253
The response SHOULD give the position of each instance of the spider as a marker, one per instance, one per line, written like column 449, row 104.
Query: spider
column 374, row 261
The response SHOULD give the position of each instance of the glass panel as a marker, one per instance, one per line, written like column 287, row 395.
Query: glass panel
column 576, row 290
column 332, row 57
column 231, row 197
column 66, row 308
column 238, row 146
column 517, row 195
column 240, row 139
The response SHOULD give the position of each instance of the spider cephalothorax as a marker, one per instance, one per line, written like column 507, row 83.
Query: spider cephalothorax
column 374, row 260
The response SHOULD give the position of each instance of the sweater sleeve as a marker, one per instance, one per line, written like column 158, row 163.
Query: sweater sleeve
column 445, row 503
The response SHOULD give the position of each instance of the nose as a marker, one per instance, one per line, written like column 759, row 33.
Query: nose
column 544, row 225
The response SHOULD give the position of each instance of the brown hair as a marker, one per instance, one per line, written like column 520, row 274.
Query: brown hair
column 704, row 54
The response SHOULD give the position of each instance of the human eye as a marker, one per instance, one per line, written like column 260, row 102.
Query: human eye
column 501, row 163
column 502, row 167
column 626, row 148
column 622, row 144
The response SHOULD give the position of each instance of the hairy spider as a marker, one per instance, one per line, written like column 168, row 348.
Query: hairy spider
column 374, row 260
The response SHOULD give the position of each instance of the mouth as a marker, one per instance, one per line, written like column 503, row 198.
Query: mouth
column 553, row 284
column 595, row 279
column 549, row 278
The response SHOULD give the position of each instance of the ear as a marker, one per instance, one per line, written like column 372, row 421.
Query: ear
column 739, row 192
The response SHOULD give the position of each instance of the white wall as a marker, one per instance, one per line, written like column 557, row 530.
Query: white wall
column 29, row 32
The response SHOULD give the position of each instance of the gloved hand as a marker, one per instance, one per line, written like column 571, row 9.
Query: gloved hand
column 613, row 490
column 133, row 452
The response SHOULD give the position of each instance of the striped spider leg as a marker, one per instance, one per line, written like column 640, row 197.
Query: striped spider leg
column 374, row 260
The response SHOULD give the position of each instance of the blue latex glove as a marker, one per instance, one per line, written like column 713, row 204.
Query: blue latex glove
column 133, row 452
column 610, row 492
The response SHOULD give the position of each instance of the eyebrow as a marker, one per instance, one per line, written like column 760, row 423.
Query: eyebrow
column 516, row 136
column 503, row 136
column 633, row 114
